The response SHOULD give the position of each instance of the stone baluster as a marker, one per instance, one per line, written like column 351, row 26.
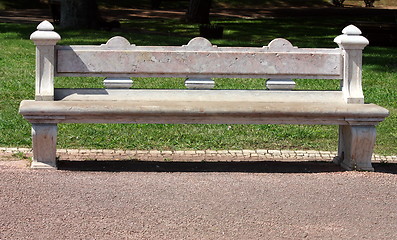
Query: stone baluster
column 199, row 44
column 199, row 83
column 280, row 84
column 118, row 43
column 45, row 39
column 352, row 43
column 280, row 45
column 118, row 82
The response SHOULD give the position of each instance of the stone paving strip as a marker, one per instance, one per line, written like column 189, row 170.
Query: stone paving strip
column 190, row 155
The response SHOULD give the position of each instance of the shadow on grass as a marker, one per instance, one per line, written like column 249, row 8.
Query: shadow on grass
column 381, row 59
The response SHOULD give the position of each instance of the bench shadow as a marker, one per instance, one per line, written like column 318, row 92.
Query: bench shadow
column 175, row 166
column 244, row 167
column 385, row 167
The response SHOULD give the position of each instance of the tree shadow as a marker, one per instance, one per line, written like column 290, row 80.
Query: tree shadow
column 381, row 59
column 23, row 4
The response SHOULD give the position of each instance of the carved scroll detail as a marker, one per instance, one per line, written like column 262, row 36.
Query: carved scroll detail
column 280, row 44
column 199, row 43
column 117, row 43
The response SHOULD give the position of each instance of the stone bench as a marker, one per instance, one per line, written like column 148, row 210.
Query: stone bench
column 199, row 61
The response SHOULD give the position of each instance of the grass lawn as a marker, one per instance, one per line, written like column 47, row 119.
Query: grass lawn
column 17, row 83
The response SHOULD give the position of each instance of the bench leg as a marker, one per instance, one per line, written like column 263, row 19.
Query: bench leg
column 356, row 144
column 44, row 139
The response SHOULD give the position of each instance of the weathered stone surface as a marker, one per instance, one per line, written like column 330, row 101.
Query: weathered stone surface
column 201, row 112
column 198, row 95
column 198, row 64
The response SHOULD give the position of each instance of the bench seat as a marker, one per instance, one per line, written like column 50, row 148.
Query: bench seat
column 197, row 106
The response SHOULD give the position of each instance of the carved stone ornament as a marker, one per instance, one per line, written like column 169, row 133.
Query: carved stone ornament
column 199, row 43
column 280, row 44
column 45, row 34
column 351, row 38
column 117, row 43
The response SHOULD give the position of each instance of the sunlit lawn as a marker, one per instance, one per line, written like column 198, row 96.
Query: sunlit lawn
column 17, row 83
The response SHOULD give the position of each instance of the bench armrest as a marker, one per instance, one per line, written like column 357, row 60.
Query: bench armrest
column 45, row 39
column 352, row 44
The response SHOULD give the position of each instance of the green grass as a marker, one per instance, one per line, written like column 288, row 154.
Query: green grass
column 17, row 83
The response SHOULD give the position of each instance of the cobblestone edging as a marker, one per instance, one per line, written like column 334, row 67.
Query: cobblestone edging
column 193, row 155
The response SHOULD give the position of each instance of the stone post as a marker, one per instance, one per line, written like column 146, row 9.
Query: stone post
column 45, row 39
column 355, row 142
column 352, row 44
column 44, row 135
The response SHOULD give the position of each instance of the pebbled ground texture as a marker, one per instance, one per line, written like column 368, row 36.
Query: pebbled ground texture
column 197, row 200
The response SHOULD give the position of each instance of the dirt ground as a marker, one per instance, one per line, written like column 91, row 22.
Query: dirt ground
column 289, row 201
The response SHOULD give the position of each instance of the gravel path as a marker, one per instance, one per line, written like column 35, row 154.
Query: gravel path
column 320, row 202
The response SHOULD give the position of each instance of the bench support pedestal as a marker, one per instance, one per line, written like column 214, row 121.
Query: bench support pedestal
column 356, row 144
column 44, row 138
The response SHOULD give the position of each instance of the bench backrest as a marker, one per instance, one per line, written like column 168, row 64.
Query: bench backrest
column 199, row 59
